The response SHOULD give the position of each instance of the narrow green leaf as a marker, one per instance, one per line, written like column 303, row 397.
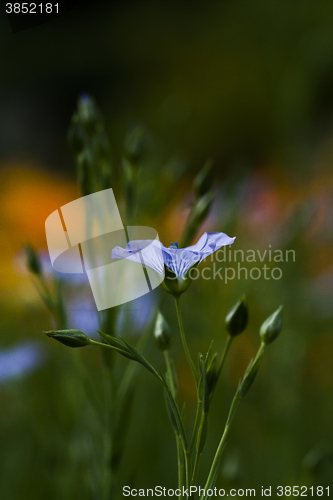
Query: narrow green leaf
column 175, row 412
column 141, row 359
column 112, row 340
column 170, row 412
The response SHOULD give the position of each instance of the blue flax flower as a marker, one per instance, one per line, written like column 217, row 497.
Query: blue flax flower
column 172, row 263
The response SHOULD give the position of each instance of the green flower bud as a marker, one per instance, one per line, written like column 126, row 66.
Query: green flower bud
column 135, row 144
column 88, row 113
column 271, row 328
column 175, row 285
column 162, row 335
column 204, row 179
column 202, row 207
column 237, row 318
column 201, row 363
column 71, row 338
column 33, row 262
column 198, row 214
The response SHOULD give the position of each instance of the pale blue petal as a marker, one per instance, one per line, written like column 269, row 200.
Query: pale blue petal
column 148, row 252
column 179, row 260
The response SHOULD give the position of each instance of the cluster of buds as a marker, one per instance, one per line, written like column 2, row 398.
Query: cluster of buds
column 89, row 141
column 236, row 322
column 202, row 186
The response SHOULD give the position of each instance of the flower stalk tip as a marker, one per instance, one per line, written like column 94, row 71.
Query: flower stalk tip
column 71, row 338
column 237, row 318
column 271, row 327
column 33, row 261
column 204, row 179
column 162, row 335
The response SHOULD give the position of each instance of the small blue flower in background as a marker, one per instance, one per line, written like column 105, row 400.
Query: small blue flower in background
column 173, row 263
column 19, row 360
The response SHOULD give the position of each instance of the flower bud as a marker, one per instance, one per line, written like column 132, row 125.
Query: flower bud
column 135, row 144
column 271, row 328
column 204, row 179
column 175, row 285
column 71, row 338
column 88, row 113
column 198, row 214
column 33, row 261
column 162, row 332
column 237, row 318
column 202, row 207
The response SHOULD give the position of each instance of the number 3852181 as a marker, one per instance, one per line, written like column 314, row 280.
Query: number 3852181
column 32, row 8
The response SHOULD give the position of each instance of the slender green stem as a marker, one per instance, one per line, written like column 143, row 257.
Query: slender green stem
column 182, row 334
column 196, row 423
column 199, row 404
column 181, row 444
column 187, row 468
column 180, row 449
column 175, row 412
column 187, row 453
column 169, row 371
column 219, row 450
column 203, row 423
column 179, row 463
column 200, row 422
column 130, row 372
column 162, row 380
column 108, row 346
column 233, row 408
column 195, row 469
column 224, row 355
column 171, row 399
column 178, row 440
column 48, row 299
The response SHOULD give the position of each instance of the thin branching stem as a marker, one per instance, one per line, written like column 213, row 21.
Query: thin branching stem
column 182, row 334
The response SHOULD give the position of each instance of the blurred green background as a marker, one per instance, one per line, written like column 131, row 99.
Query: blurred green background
column 247, row 84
